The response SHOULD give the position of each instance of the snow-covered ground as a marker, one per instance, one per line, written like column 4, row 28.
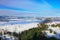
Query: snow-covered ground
column 53, row 29
column 22, row 27
column 28, row 26
column 18, row 27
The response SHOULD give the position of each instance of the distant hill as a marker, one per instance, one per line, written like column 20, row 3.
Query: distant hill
column 7, row 18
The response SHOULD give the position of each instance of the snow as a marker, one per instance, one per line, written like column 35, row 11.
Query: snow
column 22, row 27
column 54, row 29
column 28, row 26
column 48, row 34
column 19, row 27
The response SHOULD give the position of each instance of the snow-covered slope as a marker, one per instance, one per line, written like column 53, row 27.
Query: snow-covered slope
column 55, row 31
column 18, row 27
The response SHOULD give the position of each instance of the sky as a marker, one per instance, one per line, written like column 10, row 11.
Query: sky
column 33, row 8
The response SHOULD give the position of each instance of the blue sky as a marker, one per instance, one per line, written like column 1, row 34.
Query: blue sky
column 35, row 8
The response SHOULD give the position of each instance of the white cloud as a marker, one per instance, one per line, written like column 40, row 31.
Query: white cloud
column 47, row 13
column 26, row 4
column 15, row 13
column 41, row 9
